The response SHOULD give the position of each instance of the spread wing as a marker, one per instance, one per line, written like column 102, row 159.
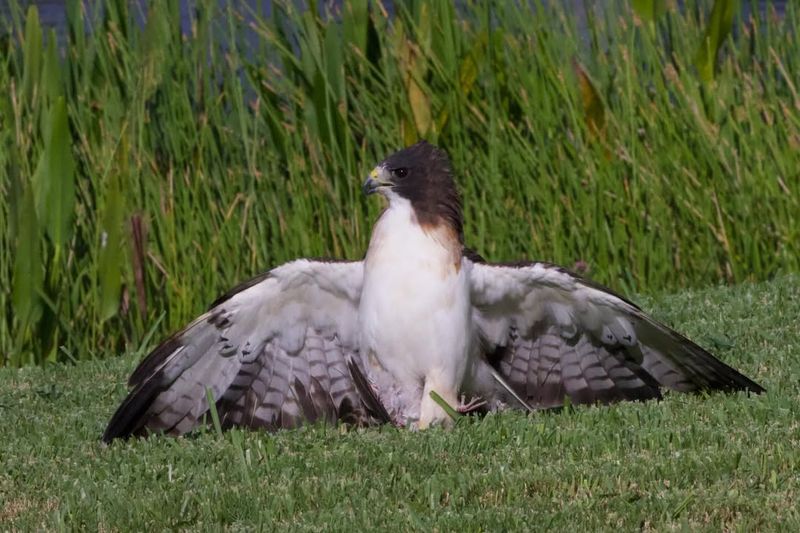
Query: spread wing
column 551, row 335
column 278, row 350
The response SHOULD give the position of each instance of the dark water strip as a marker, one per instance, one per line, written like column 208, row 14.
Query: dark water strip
column 53, row 13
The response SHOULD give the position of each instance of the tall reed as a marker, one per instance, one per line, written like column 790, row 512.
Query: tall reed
column 143, row 170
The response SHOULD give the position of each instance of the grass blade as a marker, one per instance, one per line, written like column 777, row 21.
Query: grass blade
column 212, row 409
column 649, row 10
column 109, row 264
column 717, row 30
column 32, row 52
column 28, row 271
column 60, row 189
column 593, row 110
column 451, row 412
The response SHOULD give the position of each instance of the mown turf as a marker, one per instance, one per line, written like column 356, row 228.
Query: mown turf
column 688, row 462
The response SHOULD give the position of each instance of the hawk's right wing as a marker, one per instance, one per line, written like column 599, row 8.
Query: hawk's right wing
column 277, row 351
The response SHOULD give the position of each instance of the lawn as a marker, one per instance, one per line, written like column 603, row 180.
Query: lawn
column 713, row 462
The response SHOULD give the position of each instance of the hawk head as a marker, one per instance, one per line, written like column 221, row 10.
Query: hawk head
column 421, row 175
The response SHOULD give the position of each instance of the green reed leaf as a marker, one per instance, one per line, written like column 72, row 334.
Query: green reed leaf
column 717, row 30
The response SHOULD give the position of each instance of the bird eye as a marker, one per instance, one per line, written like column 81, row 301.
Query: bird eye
column 399, row 172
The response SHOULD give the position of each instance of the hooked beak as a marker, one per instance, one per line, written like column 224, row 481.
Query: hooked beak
column 375, row 181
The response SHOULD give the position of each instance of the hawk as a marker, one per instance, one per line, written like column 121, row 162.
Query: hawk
column 368, row 342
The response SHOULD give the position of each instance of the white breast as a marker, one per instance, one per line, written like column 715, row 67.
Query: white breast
column 414, row 313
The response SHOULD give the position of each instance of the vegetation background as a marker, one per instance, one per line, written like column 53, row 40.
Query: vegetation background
column 144, row 170
column 147, row 166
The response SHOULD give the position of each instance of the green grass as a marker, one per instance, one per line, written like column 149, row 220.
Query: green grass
column 689, row 462
column 143, row 172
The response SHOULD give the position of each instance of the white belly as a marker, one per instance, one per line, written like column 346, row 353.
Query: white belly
column 414, row 315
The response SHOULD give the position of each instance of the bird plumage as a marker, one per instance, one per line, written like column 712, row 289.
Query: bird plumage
column 366, row 342
column 414, row 314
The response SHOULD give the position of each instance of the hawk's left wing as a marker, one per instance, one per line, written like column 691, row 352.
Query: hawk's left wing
column 551, row 334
